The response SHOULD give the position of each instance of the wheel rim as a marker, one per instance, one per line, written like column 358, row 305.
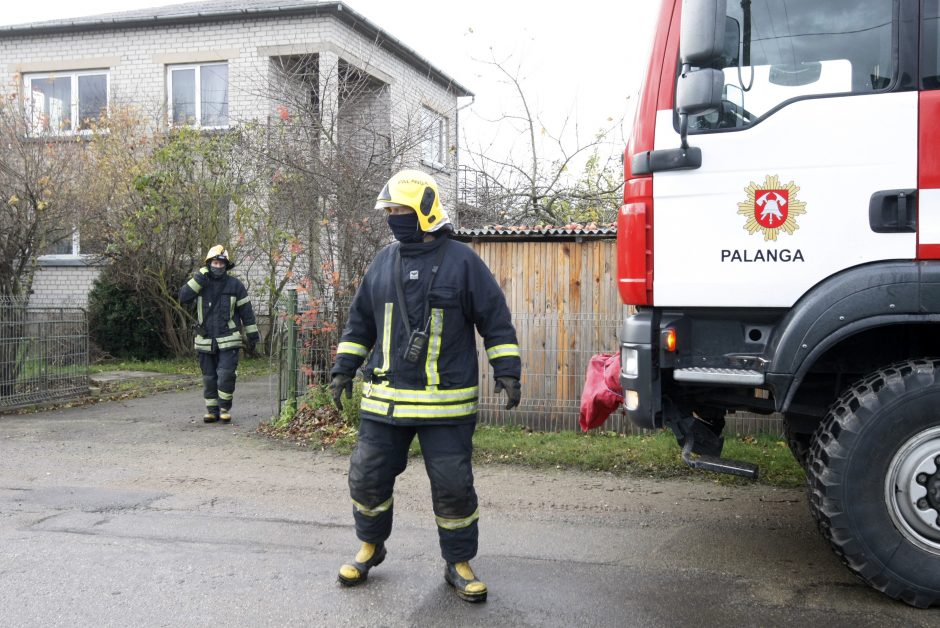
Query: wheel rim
column 912, row 490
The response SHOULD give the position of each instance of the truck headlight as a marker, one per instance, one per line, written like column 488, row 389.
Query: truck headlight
column 629, row 362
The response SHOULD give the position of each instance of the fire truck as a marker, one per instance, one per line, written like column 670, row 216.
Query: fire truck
column 780, row 240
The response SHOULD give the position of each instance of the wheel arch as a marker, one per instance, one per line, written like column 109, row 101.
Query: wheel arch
column 853, row 302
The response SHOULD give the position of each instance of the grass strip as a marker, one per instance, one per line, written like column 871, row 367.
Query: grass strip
column 657, row 455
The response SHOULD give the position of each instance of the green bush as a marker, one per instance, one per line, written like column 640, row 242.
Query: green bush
column 119, row 324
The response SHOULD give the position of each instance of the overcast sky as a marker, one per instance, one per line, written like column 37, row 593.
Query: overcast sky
column 579, row 61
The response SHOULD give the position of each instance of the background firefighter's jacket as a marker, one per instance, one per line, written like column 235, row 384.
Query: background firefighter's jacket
column 220, row 323
column 442, row 387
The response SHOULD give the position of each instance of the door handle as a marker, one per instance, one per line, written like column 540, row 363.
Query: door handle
column 893, row 211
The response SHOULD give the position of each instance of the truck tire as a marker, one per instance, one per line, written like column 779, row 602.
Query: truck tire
column 874, row 480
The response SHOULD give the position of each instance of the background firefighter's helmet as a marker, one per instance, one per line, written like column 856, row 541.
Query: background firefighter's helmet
column 218, row 252
column 417, row 190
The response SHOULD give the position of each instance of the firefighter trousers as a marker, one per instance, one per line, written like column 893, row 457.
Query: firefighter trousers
column 382, row 454
column 218, row 378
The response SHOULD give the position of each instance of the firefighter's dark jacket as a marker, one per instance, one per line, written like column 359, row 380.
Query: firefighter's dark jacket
column 222, row 321
column 442, row 387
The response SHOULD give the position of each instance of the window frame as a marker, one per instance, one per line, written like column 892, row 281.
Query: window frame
column 197, row 89
column 74, row 121
column 436, row 126
column 895, row 85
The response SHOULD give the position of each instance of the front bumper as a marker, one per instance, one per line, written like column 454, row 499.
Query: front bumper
column 639, row 371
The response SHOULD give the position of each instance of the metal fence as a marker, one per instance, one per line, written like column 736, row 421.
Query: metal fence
column 305, row 335
column 43, row 353
column 555, row 354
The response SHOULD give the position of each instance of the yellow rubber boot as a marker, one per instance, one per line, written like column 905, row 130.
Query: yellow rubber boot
column 210, row 417
column 225, row 417
column 465, row 583
column 356, row 572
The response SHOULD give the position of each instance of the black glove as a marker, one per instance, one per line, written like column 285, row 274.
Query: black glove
column 513, row 390
column 339, row 383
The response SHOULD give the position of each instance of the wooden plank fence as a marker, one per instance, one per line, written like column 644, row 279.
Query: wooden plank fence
column 565, row 306
column 561, row 292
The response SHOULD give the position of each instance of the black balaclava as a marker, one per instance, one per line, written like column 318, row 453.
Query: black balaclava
column 405, row 227
column 217, row 273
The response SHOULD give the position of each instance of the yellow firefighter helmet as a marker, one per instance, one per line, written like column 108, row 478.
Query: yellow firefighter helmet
column 417, row 190
column 218, row 252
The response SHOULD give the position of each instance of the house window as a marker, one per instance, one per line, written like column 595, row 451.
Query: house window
column 434, row 126
column 66, row 102
column 198, row 94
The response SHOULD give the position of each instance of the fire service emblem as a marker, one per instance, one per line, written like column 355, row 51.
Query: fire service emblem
column 771, row 207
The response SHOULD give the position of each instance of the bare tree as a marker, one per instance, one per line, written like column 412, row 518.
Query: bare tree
column 333, row 138
column 38, row 170
column 552, row 177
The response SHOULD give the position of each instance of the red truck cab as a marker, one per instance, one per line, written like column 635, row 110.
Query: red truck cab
column 780, row 239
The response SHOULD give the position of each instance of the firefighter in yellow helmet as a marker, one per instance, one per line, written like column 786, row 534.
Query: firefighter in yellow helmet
column 222, row 306
column 412, row 323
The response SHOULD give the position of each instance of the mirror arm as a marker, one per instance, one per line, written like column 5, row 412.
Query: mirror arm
column 684, row 117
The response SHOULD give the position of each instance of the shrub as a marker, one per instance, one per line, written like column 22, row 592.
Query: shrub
column 120, row 324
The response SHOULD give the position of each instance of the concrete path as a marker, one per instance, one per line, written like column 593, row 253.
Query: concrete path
column 135, row 513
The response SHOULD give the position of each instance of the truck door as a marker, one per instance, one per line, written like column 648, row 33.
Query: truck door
column 819, row 116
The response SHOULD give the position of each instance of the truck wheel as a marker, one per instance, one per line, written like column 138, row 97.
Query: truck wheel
column 874, row 480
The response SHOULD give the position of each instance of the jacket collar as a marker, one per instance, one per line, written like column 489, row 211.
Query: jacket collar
column 416, row 249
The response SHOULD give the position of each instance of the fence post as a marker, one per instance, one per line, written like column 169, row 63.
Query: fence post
column 292, row 347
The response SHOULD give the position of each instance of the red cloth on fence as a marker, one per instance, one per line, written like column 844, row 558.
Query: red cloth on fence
column 602, row 393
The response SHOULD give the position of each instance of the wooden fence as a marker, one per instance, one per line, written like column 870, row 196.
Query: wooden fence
column 562, row 294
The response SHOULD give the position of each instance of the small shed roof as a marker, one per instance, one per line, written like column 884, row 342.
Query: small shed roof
column 571, row 231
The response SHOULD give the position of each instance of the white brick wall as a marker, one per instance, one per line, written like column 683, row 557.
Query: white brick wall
column 137, row 60
column 66, row 285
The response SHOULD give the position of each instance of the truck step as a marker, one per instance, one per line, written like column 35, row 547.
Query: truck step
column 707, row 375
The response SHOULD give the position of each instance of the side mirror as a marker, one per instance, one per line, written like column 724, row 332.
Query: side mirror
column 699, row 92
column 702, row 38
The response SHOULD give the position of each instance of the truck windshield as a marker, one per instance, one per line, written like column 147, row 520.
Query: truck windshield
column 777, row 51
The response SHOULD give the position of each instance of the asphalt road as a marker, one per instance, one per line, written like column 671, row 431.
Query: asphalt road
column 137, row 514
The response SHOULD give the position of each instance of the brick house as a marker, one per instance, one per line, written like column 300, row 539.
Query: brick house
column 202, row 63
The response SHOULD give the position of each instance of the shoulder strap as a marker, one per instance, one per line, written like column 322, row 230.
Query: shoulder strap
column 401, row 292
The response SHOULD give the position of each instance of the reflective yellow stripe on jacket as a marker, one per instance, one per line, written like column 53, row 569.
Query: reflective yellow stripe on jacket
column 434, row 347
column 386, row 342
column 405, row 395
column 352, row 348
column 502, row 351
column 419, row 411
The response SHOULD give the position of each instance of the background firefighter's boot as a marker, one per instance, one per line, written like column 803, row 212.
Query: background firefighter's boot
column 465, row 583
column 210, row 417
column 226, row 416
column 357, row 571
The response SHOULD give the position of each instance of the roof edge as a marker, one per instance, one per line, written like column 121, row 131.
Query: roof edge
column 343, row 12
